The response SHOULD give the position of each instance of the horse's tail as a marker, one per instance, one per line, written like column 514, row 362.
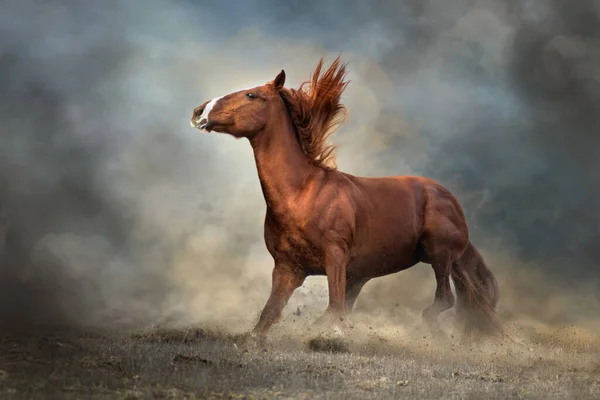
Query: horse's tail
column 477, row 292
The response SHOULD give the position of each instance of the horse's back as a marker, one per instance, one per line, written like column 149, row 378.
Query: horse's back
column 391, row 191
column 389, row 221
column 415, row 192
column 392, row 214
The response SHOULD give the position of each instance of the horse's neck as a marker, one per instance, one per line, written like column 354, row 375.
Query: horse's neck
column 283, row 168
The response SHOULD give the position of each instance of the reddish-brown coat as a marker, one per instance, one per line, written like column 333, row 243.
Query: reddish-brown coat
column 321, row 221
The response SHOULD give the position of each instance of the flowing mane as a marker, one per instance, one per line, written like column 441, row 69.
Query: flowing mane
column 316, row 111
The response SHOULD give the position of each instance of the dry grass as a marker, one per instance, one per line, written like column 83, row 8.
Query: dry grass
column 380, row 363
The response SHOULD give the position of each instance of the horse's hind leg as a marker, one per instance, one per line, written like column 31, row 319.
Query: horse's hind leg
column 444, row 240
column 444, row 299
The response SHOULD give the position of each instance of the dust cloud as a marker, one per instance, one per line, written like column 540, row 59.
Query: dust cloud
column 116, row 212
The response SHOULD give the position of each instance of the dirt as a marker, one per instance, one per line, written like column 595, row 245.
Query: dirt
column 383, row 363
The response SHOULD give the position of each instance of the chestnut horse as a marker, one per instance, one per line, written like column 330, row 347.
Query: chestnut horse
column 321, row 221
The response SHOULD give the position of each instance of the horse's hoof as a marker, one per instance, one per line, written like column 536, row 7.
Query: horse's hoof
column 337, row 331
column 329, row 319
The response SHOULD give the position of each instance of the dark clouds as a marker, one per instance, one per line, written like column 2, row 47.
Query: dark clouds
column 498, row 100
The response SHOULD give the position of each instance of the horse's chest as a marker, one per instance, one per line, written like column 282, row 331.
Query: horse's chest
column 297, row 245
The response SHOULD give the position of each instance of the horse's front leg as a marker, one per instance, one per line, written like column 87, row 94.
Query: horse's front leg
column 336, row 262
column 286, row 279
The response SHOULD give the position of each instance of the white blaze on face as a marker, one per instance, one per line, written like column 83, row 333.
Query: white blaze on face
column 200, row 121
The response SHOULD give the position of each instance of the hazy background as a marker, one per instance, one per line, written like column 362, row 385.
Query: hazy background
column 113, row 210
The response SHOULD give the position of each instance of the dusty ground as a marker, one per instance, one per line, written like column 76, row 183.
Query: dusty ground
column 381, row 363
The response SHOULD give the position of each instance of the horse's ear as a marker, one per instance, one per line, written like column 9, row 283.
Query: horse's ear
column 279, row 81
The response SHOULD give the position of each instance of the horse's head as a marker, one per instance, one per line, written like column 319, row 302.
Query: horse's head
column 240, row 114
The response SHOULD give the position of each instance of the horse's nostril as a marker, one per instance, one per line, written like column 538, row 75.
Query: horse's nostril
column 196, row 115
column 198, row 112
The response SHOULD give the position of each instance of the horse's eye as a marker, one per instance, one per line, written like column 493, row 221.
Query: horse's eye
column 250, row 95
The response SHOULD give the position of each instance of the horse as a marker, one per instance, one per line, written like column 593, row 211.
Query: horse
column 322, row 221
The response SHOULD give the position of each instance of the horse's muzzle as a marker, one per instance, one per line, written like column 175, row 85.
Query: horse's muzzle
column 204, row 124
column 196, row 120
column 208, row 125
